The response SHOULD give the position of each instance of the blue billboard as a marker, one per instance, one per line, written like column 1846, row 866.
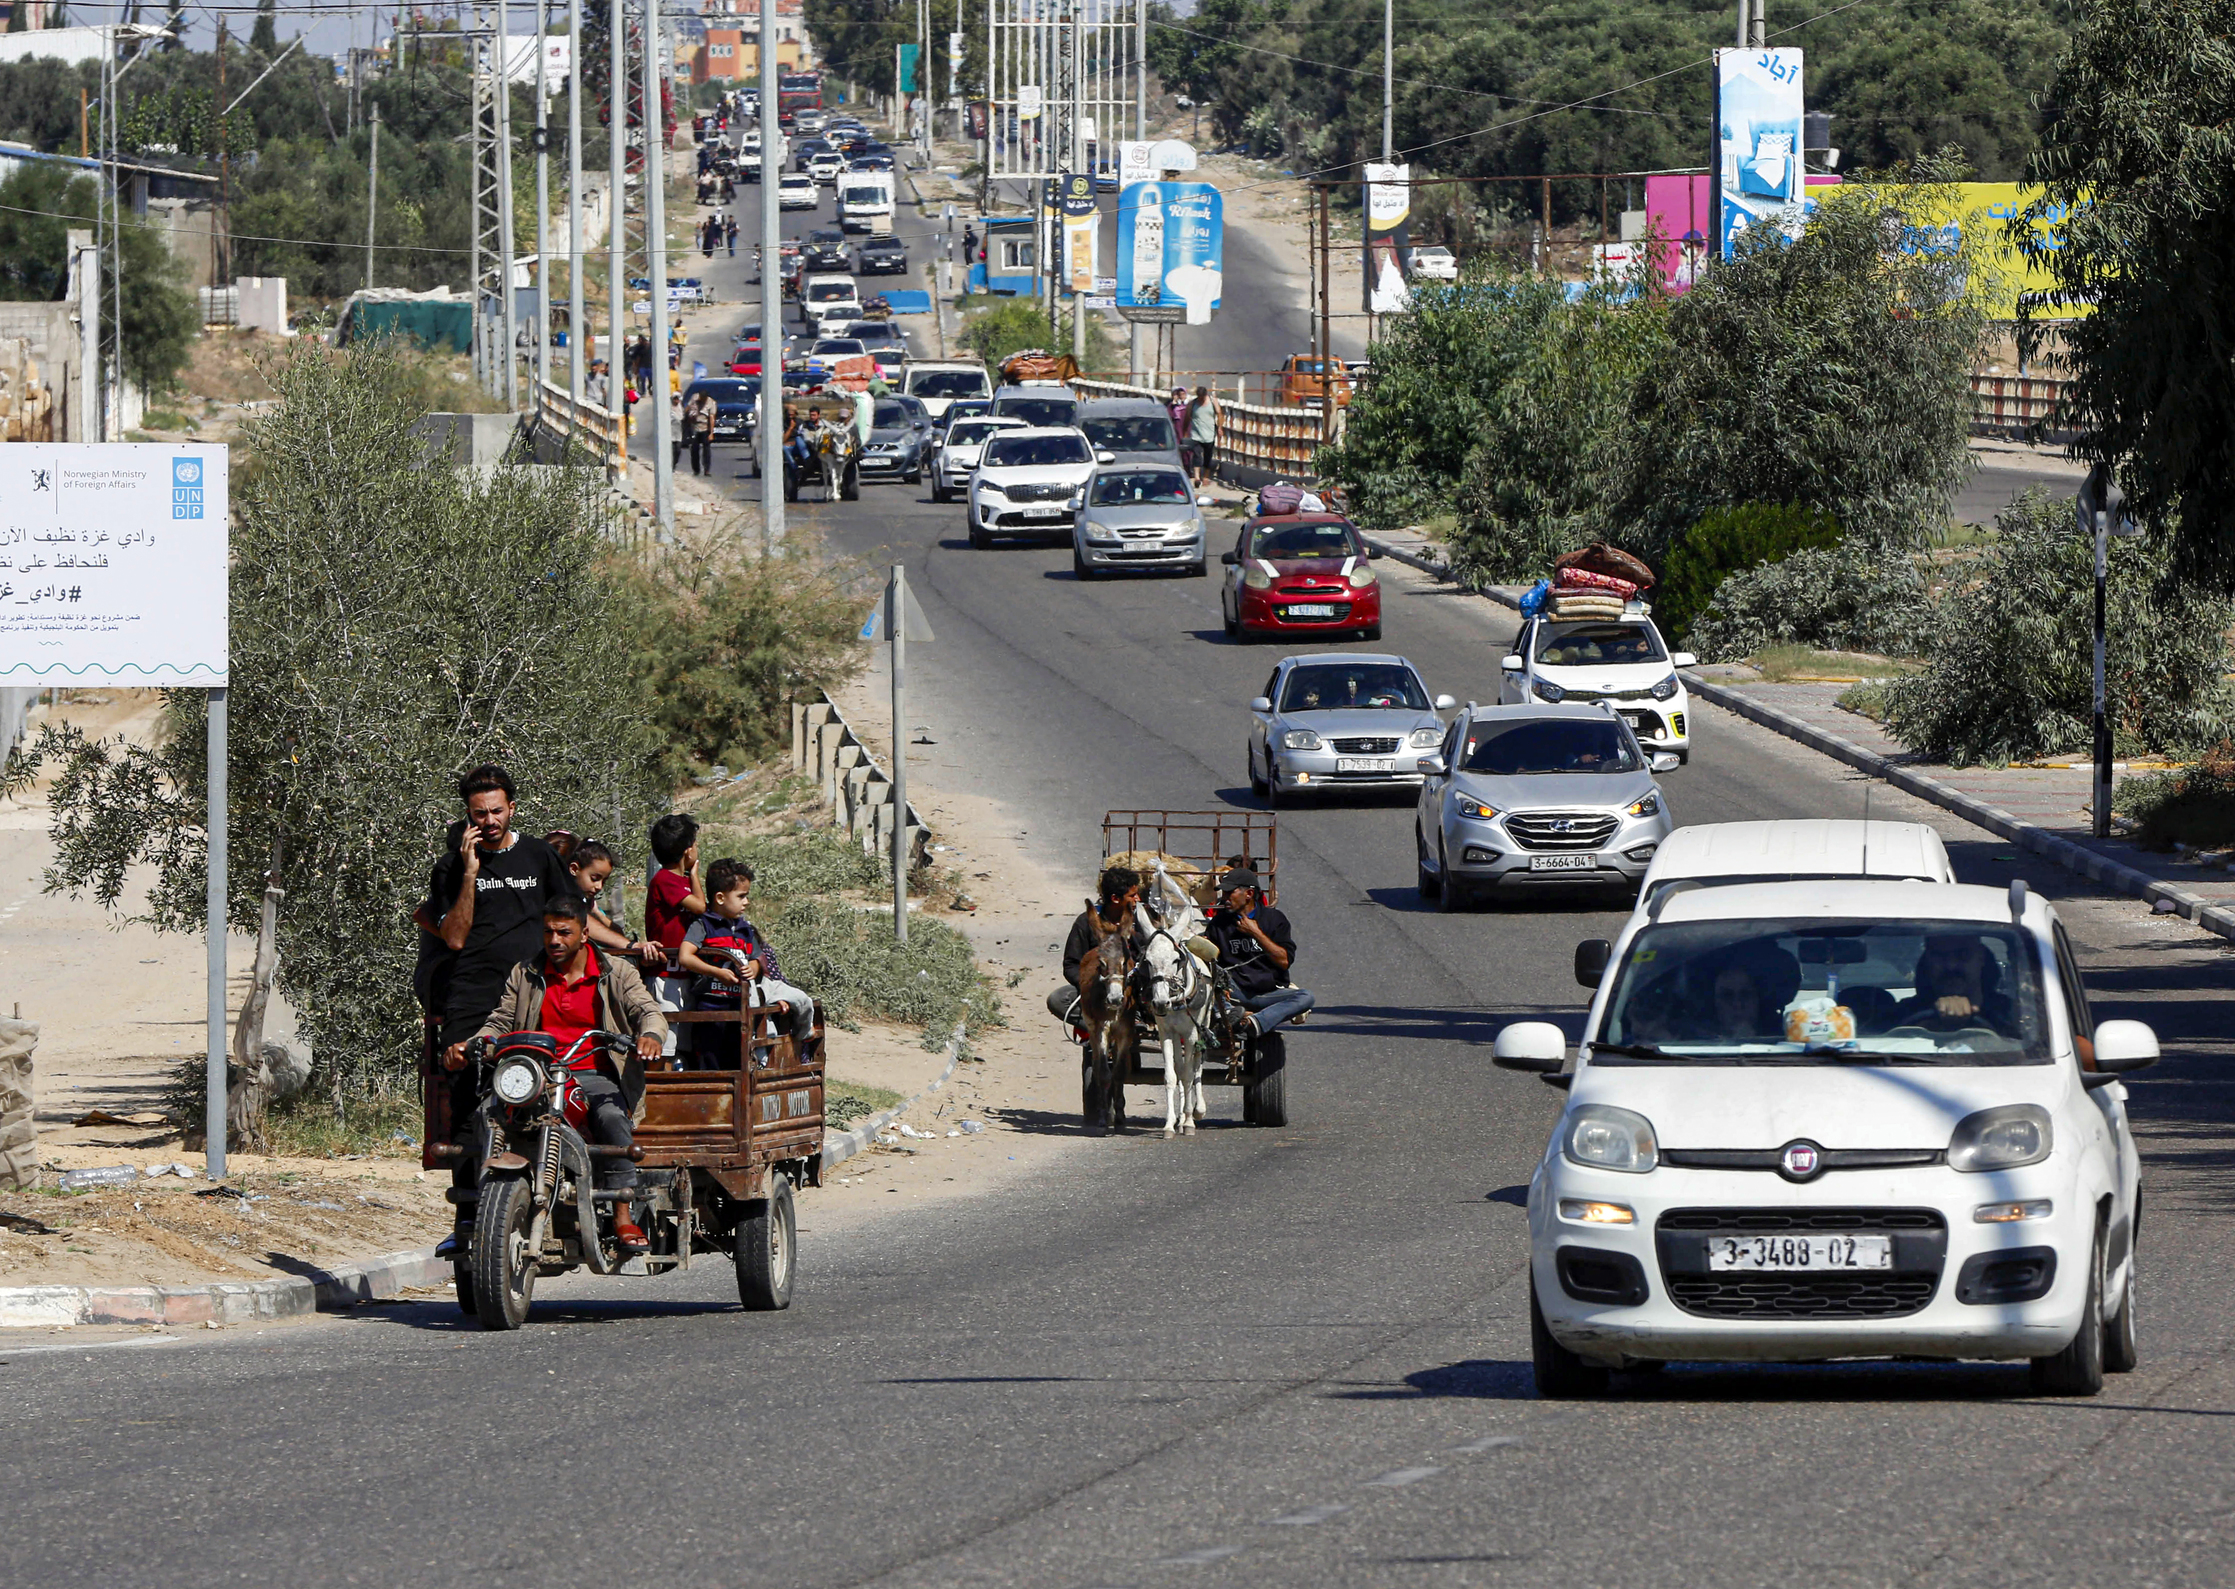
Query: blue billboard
column 1171, row 252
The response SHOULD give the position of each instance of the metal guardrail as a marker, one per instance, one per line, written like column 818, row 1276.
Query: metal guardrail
column 598, row 432
column 2007, row 405
column 1279, row 441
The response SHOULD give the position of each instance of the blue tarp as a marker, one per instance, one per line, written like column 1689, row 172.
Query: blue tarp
column 909, row 302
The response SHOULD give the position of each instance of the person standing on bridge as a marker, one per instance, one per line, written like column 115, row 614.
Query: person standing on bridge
column 1202, row 434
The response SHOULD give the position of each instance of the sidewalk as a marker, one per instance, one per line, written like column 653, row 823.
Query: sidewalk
column 2042, row 808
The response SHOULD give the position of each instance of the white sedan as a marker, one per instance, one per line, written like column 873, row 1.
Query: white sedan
column 1812, row 1121
column 1435, row 263
column 795, row 191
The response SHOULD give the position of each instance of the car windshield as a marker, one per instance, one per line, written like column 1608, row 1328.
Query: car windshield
column 1040, row 410
column 726, row 391
column 826, row 238
column 830, row 292
column 863, row 195
column 1035, row 452
column 1550, row 745
column 1141, row 486
column 1130, row 432
column 1305, row 540
column 1822, row 990
column 889, row 416
column 874, row 333
column 1348, row 686
column 839, row 348
column 971, row 432
column 1576, row 645
column 947, row 383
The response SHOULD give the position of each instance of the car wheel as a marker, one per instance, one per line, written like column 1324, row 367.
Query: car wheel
column 2078, row 1369
column 1560, row 1374
column 1684, row 757
column 1452, row 892
column 1372, row 631
column 1257, row 785
column 2121, row 1346
column 1232, row 623
column 1272, row 783
column 979, row 540
column 913, row 477
column 1197, row 569
column 1431, row 883
column 939, row 493
column 1079, row 569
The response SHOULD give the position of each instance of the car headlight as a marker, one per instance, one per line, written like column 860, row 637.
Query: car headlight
column 1468, row 806
column 1361, row 577
column 1258, row 579
column 1096, row 530
column 2003, row 1138
column 1424, row 738
column 1603, row 1137
column 1666, row 689
column 516, row 1081
column 1650, row 806
column 987, row 488
column 1546, row 690
column 1299, row 739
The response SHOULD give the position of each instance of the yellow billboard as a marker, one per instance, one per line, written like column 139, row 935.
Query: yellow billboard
column 1983, row 210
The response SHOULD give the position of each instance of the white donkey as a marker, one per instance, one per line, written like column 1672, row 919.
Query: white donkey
column 1179, row 988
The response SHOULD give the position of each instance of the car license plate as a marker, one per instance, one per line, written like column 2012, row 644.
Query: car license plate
column 1800, row 1252
column 1563, row 863
column 1312, row 609
column 1044, row 513
column 1365, row 764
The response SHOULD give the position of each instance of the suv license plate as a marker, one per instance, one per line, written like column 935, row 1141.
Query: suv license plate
column 1800, row 1252
column 1042, row 513
column 1365, row 764
column 1563, row 863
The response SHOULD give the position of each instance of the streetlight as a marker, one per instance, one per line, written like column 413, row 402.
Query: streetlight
column 2101, row 509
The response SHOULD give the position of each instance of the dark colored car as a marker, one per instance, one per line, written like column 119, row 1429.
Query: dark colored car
column 735, row 400
column 872, row 161
column 825, row 250
column 883, row 256
column 805, row 149
column 899, row 439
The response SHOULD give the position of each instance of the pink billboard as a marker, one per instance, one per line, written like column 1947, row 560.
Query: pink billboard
column 1682, row 209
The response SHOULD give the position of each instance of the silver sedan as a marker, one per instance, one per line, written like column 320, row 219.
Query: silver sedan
column 1342, row 720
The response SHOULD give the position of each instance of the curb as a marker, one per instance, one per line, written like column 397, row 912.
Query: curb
column 839, row 1146
column 226, row 1301
column 2090, row 864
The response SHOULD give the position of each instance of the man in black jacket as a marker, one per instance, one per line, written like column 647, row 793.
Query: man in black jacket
column 1120, row 891
column 1256, row 950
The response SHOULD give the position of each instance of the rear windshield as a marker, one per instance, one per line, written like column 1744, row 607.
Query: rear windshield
column 726, row 391
column 1305, row 540
column 947, row 383
column 1145, row 486
column 1039, row 410
column 1571, row 645
column 839, row 348
column 830, row 292
column 970, row 432
column 1035, row 452
column 1131, row 433
column 1347, row 686
column 1550, row 745
column 1820, row 991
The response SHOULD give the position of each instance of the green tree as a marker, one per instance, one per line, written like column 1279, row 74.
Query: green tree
column 38, row 206
column 264, row 37
column 2137, row 170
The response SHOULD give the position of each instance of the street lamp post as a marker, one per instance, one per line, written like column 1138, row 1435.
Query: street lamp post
column 2101, row 507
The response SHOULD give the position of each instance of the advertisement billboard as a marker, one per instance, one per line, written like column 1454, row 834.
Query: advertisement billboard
column 1983, row 211
column 1759, row 174
column 1171, row 252
column 1081, row 229
column 1388, row 236
column 113, row 563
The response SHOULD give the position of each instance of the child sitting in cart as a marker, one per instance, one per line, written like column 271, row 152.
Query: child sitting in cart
column 719, row 984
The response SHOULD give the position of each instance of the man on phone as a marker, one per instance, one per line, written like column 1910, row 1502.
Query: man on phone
column 1256, row 950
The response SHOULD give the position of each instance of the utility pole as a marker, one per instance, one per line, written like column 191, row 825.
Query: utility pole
column 655, row 263
column 372, row 194
column 542, row 198
column 1078, row 163
column 617, row 202
column 1140, row 132
column 1389, row 81
column 576, row 313
column 771, row 433
column 224, row 174
column 507, row 253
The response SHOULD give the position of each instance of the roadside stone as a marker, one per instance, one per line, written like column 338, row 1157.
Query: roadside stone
column 18, row 1136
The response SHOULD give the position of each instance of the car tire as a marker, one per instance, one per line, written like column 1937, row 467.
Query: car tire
column 767, row 1250
column 1198, row 569
column 2078, row 1369
column 1233, row 624
column 1079, row 569
column 979, row 540
column 2121, row 1345
column 1684, row 757
column 1431, row 883
column 1257, row 785
column 1560, row 1374
column 1372, row 631
column 913, row 477
column 939, row 493
column 1451, row 892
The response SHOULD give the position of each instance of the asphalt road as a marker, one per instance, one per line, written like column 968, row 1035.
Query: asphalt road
column 1252, row 1358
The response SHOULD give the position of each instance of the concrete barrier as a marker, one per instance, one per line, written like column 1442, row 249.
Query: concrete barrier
column 858, row 789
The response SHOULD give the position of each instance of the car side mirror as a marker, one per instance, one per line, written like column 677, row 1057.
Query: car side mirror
column 1591, row 957
column 1666, row 761
column 1261, row 704
column 1375, row 554
column 1445, row 703
column 1510, row 664
column 1683, row 659
column 1432, row 766
column 1529, row 1045
column 1105, row 457
column 1229, row 559
column 2121, row 1046
column 1204, row 502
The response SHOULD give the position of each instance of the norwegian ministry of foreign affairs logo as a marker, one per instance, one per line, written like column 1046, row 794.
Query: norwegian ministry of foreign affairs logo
column 186, row 488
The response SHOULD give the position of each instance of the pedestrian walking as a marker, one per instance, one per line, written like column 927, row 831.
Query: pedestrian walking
column 698, row 431
column 729, row 229
column 1202, row 433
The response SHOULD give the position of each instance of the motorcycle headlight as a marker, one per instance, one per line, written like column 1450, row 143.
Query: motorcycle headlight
column 1650, row 806
column 1424, row 738
column 2003, row 1138
column 1666, row 689
column 1299, row 739
column 1546, row 690
column 1469, row 806
column 516, row 1081
column 1258, row 579
column 1603, row 1137
column 1361, row 577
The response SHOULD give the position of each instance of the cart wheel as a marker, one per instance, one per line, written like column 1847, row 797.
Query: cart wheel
column 1265, row 1099
column 767, row 1240
column 791, row 487
column 461, row 1276
column 503, row 1267
column 849, row 484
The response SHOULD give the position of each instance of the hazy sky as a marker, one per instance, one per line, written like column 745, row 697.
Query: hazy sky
column 332, row 26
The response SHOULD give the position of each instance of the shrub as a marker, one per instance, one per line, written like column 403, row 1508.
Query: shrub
column 1010, row 325
column 1841, row 598
column 1726, row 541
column 849, row 959
column 2009, row 670
column 2192, row 805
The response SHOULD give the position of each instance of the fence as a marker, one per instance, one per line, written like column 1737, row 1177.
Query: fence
column 2007, row 405
column 1254, row 440
column 598, row 432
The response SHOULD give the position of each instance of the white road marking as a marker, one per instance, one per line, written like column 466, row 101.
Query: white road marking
column 1311, row 1514
column 1489, row 1443
column 1398, row 1478
column 1197, row 1558
column 92, row 1346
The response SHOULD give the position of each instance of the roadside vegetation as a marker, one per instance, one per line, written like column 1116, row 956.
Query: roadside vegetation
column 995, row 327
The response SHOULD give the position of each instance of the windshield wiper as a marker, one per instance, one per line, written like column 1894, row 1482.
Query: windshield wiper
column 1637, row 1051
column 1866, row 1056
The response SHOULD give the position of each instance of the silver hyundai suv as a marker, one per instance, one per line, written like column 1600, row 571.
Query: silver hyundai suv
column 1521, row 795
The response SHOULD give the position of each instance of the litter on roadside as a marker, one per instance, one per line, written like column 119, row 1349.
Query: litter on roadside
column 104, row 1175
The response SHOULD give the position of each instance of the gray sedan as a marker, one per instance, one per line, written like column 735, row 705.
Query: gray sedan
column 1518, row 795
column 1138, row 517
column 1341, row 720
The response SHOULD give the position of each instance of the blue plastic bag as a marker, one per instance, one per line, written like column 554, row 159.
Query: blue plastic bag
column 1532, row 599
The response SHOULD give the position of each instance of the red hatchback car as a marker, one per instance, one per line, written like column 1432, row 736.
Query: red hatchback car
column 1300, row 574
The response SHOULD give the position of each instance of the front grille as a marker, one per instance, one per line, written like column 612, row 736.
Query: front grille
column 1368, row 745
column 1561, row 830
column 1019, row 521
column 1041, row 493
column 1920, row 1252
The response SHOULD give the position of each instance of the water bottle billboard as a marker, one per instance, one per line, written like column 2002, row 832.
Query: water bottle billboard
column 1171, row 252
